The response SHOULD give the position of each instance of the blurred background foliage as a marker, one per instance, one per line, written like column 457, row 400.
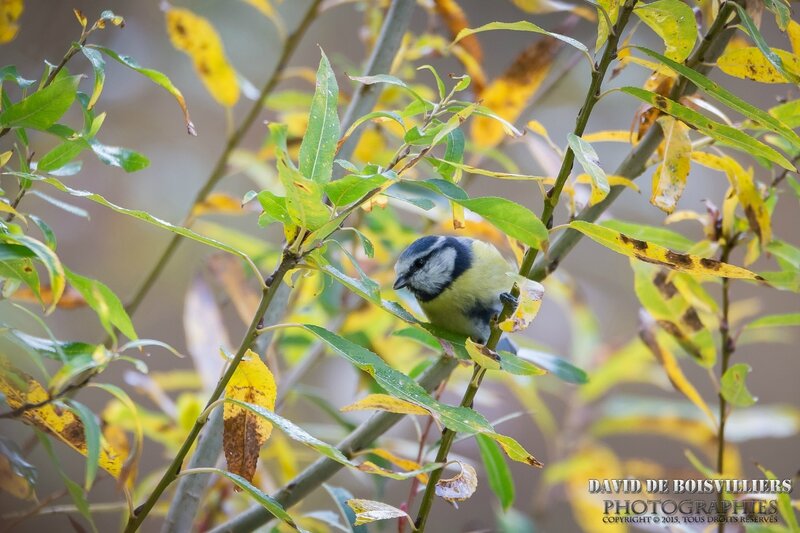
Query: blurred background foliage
column 623, row 396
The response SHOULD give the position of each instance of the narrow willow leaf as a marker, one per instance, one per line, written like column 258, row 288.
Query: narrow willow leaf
column 611, row 9
column 99, row 68
column 529, row 302
column 674, row 22
column 782, row 12
column 397, row 384
column 655, row 234
column 303, row 197
column 352, row 187
column 653, row 253
column 115, row 156
column 105, row 303
column 469, row 169
column 268, row 502
column 785, row 506
column 669, row 177
column 589, row 160
column 51, row 262
column 522, row 25
column 17, row 476
column 368, row 511
column 497, row 472
column 147, row 217
column 196, row 36
column 482, row 356
column 60, row 155
column 671, row 367
column 43, row 108
column 513, row 364
column 392, row 80
column 156, row 77
column 319, row 142
column 776, row 60
column 733, row 387
column 555, row 365
column 92, row 438
column 775, row 321
column 459, row 487
column 341, row 496
column 384, row 402
column 767, row 120
column 723, row 133
column 749, row 63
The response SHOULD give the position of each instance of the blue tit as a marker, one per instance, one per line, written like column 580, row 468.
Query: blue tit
column 460, row 283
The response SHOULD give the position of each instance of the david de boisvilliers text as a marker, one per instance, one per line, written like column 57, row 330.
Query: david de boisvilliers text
column 689, row 486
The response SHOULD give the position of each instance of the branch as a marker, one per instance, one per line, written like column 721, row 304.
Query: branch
column 268, row 294
column 190, row 490
column 380, row 62
column 323, row 469
column 233, row 141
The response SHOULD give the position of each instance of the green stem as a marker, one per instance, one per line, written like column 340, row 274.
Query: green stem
column 222, row 162
column 286, row 264
column 551, row 201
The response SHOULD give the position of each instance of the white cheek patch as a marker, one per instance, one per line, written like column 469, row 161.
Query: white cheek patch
column 437, row 273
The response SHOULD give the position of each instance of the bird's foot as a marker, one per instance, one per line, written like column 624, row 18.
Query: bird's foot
column 509, row 299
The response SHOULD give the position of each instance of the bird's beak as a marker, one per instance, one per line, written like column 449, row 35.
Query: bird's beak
column 400, row 282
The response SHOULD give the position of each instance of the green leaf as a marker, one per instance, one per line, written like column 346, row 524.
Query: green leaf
column 303, row 197
column 17, row 462
column 51, row 262
column 399, row 385
column 555, row 365
column 10, row 73
column 775, row 321
column 319, row 143
column 752, row 30
column 274, row 207
column 589, row 160
column 785, row 506
column 268, row 502
column 781, row 10
column 497, row 472
column 52, row 348
column 143, row 215
column 439, row 83
column 454, row 153
column 788, row 113
column 153, row 75
column 762, row 118
column 92, row 432
column 522, row 25
column 392, row 80
column 674, row 22
column 43, row 108
column 105, row 303
column 661, row 236
column 733, row 387
column 114, row 156
column 513, row 364
column 60, row 155
column 513, row 219
column 724, row 134
column 11, row 252
column 99, row 68
column 352, row 187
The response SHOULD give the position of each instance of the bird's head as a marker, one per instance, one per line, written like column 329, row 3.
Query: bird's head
column 430, row 264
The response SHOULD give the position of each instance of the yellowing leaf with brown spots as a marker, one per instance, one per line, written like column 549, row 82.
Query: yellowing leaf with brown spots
column 671, row 367
column 196, row 36
column 747, row 192
column 529, row 302
column 482, row 355
column 384, row 402
column 669, row 178
column 750, row 64
column 21, row 389
column 218, row 203
column 405, row 464
column 459, row 487
column 659, row 255
column 10, row 11
column 370, row 511
column 508, row 95
column 244, row 431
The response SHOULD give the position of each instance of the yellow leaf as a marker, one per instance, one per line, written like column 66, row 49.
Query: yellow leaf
column 614, row 136
column 750, row 64
column 671, row 367
column 659, row 255
column 384, row 402
column 793, row 31
column 459, row 487
column 216, row 203
column 611, row 7
column 61, row 423
column 245, row 432
column 196, row 36
column 669, row 178
column 529, row 302
column 613, row 180
column 747, row 192
column 4, row 157
column 482, row 355
column 370, row 511
column 508, row 96
column 10, row 11
column 456, row 20
column 405, row 464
